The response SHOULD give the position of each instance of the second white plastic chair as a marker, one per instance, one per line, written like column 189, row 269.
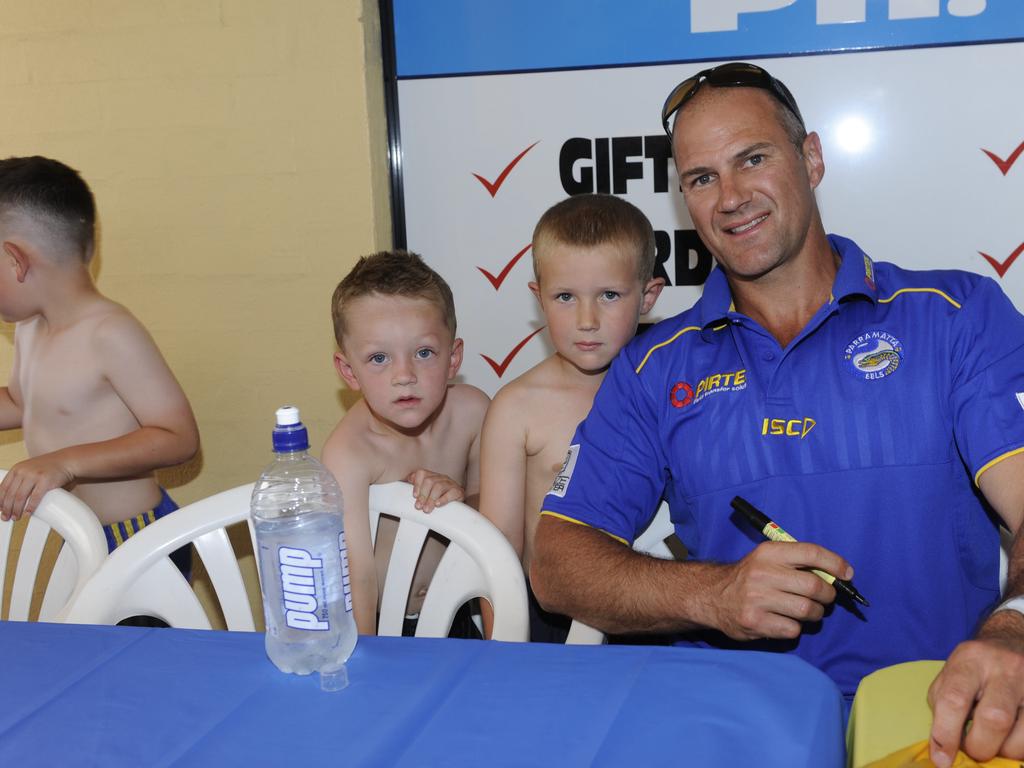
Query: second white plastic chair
column 139, row 579
column 478, row 562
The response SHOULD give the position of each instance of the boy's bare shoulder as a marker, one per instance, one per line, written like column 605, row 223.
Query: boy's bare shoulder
column 467, row 400
column 349, row 449
column 351, row 434
column 108, row 323
column 543, row 380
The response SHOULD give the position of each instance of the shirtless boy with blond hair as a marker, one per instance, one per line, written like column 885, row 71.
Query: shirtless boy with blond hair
column 99, row 408
column 593, row 261
column 394, row 321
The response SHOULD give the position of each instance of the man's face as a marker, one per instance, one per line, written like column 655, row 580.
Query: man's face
column 749, row 191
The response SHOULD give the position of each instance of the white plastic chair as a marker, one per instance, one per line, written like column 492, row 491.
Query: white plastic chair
column 650, row 542
column 139, row 578
column 84, row 549
column 478, row 562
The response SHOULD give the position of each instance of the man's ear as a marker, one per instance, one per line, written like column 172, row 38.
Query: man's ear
column 344, row 370
column 651, row 293
column 456, row 359
column 814, row 160
column 535, row 289
column 18, row 259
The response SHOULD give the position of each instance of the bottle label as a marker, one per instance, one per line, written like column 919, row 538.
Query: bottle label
column 300, row 574
column 346, row 583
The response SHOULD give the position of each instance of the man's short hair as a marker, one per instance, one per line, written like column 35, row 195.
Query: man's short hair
column 791, row 124
column 392, row 273
column 53, row 194
column 592, row 219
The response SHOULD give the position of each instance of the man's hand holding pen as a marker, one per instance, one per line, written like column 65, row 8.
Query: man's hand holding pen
column 771, row 592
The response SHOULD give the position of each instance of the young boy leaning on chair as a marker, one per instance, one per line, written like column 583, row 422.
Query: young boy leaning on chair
column 394, row 321
column 593, row 260
column 99, row 407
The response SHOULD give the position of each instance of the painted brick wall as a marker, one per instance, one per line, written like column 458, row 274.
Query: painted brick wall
column 236, row 149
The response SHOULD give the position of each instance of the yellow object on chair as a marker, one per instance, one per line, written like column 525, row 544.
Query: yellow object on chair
column 916, row 756
column 890, row 721
column 890, row 711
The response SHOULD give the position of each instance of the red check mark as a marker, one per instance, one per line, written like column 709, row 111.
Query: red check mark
column 497, row 281
column 493, row 188
column 1005, row 165
column 499, row 368
column 1001, row 266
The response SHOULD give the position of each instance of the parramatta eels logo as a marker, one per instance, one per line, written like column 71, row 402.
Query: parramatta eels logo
column 874, row 355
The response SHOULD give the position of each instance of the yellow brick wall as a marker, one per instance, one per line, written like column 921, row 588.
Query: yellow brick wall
column 237, row 152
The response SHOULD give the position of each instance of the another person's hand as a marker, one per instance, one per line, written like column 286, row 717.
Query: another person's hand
column 432, row 489
column 983, row 681
column 770, row 593
column 28, row 481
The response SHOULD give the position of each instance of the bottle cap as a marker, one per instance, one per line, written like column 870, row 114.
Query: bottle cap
column 287, row 415
column 289, row 432
column 334, row 679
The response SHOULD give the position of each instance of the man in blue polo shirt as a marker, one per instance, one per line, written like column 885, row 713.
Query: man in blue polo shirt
column 861, row 406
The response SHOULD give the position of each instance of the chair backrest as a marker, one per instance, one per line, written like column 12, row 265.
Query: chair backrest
column 478, row 562
column 84, row 549
column 138, row 578
column 651, row 541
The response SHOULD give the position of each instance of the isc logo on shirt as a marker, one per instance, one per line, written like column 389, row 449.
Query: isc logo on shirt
column 561, row 483
column 788, row 427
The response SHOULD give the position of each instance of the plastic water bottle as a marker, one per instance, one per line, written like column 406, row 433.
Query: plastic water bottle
column 307, row 600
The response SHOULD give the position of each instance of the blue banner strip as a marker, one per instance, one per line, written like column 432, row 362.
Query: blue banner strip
column 451, row 37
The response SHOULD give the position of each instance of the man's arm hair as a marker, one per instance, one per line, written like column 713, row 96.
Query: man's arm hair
column 770, row 592
column 607, row 585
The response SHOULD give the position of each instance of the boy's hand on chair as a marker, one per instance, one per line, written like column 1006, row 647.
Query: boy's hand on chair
column 28, row 481
column 432, row 489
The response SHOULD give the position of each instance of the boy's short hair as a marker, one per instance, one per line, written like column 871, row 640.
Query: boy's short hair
column 52, row 193
column 593, row 219
column 392, row 273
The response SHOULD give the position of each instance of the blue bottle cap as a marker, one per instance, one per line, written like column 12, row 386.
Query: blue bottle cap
column 289, row 432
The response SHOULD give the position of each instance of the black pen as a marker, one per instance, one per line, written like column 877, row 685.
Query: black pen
column 771, row 530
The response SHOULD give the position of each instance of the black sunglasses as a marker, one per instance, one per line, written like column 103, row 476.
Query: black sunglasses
column 735, row 75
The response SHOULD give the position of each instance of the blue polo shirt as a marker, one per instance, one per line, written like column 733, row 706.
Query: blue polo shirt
column 865, row 434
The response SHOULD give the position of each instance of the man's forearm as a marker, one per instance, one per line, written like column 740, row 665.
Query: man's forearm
column 583, row 573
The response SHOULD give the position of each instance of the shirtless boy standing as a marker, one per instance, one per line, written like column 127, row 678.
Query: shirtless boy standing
column 593, row 260
column 99, row 407
column 394, row 321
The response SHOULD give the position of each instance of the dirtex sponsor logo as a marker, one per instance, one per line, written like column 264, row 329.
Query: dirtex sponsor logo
column 874, row 355
column 682, row 394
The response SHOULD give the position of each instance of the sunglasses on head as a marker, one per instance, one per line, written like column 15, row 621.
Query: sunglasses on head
column 734, row 75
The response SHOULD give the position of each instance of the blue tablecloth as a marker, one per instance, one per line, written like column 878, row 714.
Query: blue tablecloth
column 125, row 696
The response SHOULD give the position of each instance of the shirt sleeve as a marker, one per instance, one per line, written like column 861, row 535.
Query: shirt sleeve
column 615, row 473
column 987, row 396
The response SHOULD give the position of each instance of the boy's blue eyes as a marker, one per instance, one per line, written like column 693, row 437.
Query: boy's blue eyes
column 421, row 354
column 606, row 295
